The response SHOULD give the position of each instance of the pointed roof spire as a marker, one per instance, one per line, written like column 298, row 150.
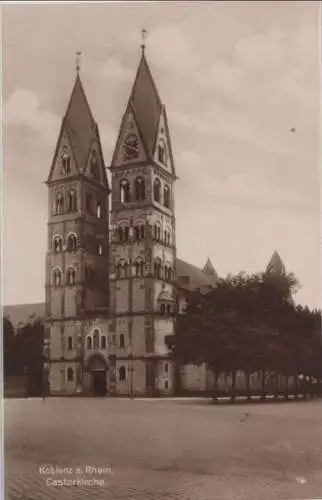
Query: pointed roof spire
column 209, row 268
column 146, row 103
column 79, row 122
column 276, row 265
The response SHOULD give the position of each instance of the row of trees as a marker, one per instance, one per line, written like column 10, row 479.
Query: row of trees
column 250, row 323
column 23, row 353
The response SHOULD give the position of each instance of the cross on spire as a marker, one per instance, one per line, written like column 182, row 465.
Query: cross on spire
column 144, row 34
column 78, row 56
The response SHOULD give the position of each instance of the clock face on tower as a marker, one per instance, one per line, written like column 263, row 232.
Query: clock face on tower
column 131, row 147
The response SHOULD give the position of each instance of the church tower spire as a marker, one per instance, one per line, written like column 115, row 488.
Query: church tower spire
column 78, row 240
column 143, row 245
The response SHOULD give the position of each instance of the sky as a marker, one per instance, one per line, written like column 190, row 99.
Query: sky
column 235, row 77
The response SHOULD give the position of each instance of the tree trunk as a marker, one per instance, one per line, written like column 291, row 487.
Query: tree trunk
column 296, row 386
column 263, row 385
column 215, row 388
column 249, row 397
column 286, row 378
column 233, row 386
column 276, row 386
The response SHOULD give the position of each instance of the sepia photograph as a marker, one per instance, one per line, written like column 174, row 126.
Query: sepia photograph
column 161, row 250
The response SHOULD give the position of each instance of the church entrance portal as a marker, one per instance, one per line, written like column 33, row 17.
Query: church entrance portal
column 97, row 368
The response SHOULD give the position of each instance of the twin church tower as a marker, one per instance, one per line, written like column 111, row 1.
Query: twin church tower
column 111, row 261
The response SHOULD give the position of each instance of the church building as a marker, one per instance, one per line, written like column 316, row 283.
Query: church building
column 114, row 283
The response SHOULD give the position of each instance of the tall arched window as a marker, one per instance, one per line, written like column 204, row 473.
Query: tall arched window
column 165, row 271
column 162, row 154
column 89, row 343
column 139, row 189
column 122, row 373
column 166, row 196
column 71, row 201
column 139, row 268
column 65, row 164
column 162, row 309
column 72, row 242
column 125, row 191
column 169, row 309
column 122, row 341
column 99, row 210
column 58, row 244
column 157, row 268
column 157, row 190
column 95, row 173
column 157, row 232
column 122, row 269
column 89, row 203
column 99, row 249
column 139, row 232
column 70, row 343
column 124, row 234
column 70, row 374
column 57, row 277
column 96, row 339
column 59, row 204
column 103, row 342
column 89, row 274
column 71, row 276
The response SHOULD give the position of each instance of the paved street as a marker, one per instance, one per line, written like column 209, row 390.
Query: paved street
column 162, row 449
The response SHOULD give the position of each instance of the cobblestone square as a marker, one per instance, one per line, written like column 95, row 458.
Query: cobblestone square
column 161, row 449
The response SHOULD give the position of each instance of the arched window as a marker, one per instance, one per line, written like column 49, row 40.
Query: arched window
column 122, row 373
column 95, row 173
column 71, row 276
column 162, row 309
column 166, row 196
column 89, row 343
column 139, row 232
column 70, row 374
column 124, row 234
column 157, row 232
column 157, row 268
column 170, row 274
column 103, row 342
column 57, row 277
column 169, row 309
column 122, row 269
column 72, row 242
column 124, row 191
column 139, row 268
column 162, row 154
column 165, row 272
column 89, row 274
column 65, row 164
column 58, row 245
column 96, row 339
column 71, row 201
column 157, row 190
column 139, row 189
column 59, row 204
column 89, row 203
column 99, row 249
column 99, row 210
column 122, row 341
column 70, row 343
column 166, row 384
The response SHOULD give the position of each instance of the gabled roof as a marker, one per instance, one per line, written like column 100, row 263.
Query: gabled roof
column 192, row 277
column 79, row 123
column 146, row 103
column 276, row 265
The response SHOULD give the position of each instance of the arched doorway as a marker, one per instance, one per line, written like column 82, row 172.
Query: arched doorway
column 97, row 369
